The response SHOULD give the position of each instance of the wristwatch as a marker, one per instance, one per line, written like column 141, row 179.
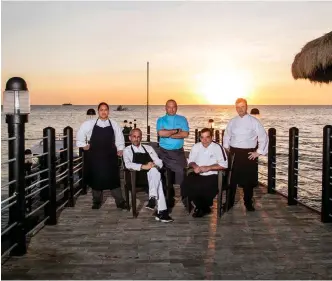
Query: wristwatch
column 177, row 131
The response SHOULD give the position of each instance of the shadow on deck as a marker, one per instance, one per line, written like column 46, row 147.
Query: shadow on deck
column 275, row 242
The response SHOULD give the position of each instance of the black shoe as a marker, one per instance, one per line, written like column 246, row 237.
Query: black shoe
column 122, row 205
column 198, row 213
column 95, row 206
column 163, row 216
column 250, row 208
column 151, row 204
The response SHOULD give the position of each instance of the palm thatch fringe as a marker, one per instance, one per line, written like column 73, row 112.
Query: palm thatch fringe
column 314, row 62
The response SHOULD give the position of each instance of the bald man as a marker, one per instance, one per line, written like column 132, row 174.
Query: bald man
column 172, row 130
column 144, row 159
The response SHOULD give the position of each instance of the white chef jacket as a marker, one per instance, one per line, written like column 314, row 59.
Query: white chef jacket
column 244, row 132
column 207, row 156
column 128, row 156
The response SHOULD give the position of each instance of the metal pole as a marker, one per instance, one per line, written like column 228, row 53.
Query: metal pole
column 16, row 128
column 271, row 168
column 326, row 213
column 147, row 96
column 68, row 144
column 50, row 160
column 293, row 151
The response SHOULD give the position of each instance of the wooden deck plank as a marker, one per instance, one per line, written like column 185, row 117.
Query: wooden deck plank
column 275, row 242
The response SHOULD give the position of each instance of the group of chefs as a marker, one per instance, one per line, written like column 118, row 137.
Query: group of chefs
column 245, row 139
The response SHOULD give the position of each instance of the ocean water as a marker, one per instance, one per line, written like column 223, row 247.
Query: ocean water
column 309, row 119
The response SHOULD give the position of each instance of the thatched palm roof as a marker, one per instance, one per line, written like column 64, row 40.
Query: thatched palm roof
column 314, row 62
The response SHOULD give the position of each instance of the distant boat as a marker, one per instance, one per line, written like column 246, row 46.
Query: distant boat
column 67, row 103
column 121, row 108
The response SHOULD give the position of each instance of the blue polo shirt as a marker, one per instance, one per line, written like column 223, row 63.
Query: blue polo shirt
column 169, row 122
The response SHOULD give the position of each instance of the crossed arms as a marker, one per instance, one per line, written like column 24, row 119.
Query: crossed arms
column 174, row 133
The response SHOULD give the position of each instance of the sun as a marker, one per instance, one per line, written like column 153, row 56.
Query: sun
column 224, row 87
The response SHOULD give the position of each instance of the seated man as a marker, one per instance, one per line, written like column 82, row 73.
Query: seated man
column 144, row 159
column 206, row 158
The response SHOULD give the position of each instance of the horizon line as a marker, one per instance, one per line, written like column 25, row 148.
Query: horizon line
column 181, row 104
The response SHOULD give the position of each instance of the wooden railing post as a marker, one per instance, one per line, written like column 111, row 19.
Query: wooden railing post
column 196, row 136
column 217, row 136
column 326, row 213
column 271, row 168
column 50, row 163
column 293, row 158
column 68, row 145
column 222, row 136
column 82, row 172
column 148, row 139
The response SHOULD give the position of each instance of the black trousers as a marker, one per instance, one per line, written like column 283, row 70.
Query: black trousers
column 248, row 193
column 97, row 196
column 200, row 189
column 244, row 173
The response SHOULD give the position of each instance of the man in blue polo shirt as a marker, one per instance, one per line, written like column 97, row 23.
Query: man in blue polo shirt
column 172, row 129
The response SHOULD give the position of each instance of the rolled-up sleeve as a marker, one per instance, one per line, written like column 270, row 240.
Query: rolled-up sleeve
column 82, row 134
column 119, row 139
column 227, row 135
column 128, row 160
column 263, row 139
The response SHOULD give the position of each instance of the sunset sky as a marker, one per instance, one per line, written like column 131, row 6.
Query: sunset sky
column 199, row 52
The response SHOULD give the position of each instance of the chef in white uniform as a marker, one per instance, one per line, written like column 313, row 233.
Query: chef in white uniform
column 144, row 159
column 103, row 140
column 201, row 186
column 246, row 139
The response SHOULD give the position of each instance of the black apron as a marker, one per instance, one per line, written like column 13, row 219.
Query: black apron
column 103, row 165
column 244, row 171
column 141, row 158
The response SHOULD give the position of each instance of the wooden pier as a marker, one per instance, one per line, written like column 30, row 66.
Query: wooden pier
column 275, row 242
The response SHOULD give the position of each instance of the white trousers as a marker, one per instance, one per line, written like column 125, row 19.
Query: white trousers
column 156, row 188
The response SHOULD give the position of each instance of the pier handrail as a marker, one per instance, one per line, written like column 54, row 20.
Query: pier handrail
column 37, row 194
column 297, row 165
column 36, row 202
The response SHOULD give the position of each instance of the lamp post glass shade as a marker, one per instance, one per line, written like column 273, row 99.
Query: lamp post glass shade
column 16, row 97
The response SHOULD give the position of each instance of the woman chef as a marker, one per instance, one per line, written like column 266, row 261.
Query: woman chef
column 105, row 144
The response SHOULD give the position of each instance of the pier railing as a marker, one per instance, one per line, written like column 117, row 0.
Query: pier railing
column 37, row 192
column 39, row 187
column 302, row 172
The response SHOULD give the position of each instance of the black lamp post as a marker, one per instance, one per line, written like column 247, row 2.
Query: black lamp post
column 16, row 106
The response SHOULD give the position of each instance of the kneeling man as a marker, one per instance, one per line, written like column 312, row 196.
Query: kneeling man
column 206, row 158
column 145, row 160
